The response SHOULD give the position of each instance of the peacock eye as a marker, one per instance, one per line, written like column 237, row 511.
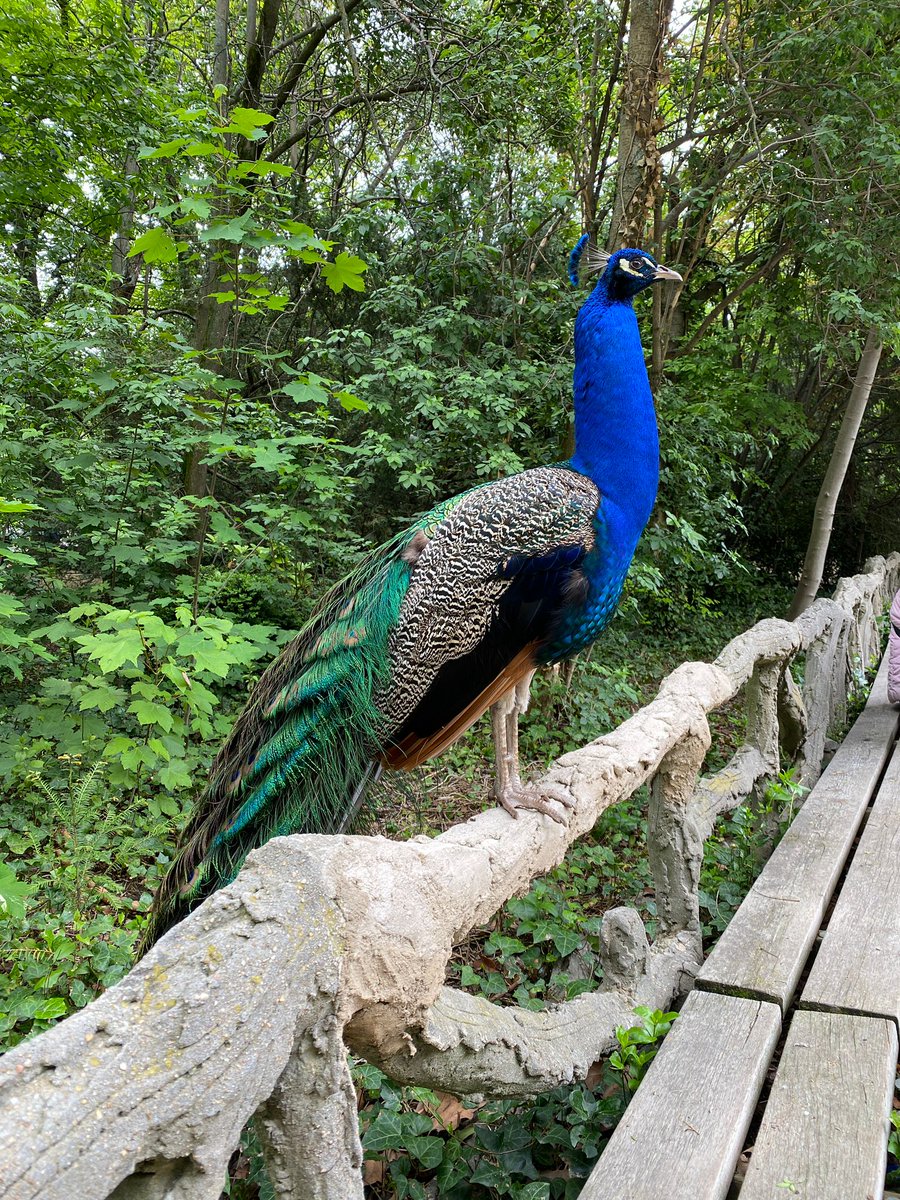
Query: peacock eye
column 637, row 264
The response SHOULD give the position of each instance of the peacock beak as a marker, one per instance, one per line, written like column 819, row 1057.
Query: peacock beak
column 662, row 272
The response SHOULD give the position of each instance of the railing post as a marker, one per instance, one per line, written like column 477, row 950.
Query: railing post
column 763, row 732
column 762, row 711
column 793, row 718
column 825, row 691
column 624, row 950
column 309, row 1124
column 674, row 841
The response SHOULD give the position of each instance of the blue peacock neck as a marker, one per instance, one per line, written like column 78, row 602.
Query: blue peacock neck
column 616, row 439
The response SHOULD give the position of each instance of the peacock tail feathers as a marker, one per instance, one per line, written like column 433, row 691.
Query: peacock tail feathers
column 302, row 751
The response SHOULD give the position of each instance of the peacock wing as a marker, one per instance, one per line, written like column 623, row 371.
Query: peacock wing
column 484, row 596
column 412, row 641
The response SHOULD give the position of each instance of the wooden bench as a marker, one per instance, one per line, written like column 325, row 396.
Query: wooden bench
column 682, row 1133
column 825, row 1126
column 823, row 1133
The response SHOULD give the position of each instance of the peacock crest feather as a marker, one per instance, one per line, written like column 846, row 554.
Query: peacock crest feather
column 575, row 258
column 585, row 258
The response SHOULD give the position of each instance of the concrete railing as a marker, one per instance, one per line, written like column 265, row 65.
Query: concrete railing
column 327, row 943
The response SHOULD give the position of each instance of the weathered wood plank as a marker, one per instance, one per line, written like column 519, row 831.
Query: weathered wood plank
column 857, row 968
column 825, row 1129
column 683, row 1131
column 766, row 945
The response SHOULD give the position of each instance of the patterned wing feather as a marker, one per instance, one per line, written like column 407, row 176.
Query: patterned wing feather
column 492, row 582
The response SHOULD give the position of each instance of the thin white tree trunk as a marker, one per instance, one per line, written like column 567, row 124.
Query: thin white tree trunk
column 823, row 519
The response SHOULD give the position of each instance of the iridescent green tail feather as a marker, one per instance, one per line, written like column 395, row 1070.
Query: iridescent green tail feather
column 301, row 752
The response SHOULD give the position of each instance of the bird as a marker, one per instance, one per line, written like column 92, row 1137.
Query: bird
column 450, row 617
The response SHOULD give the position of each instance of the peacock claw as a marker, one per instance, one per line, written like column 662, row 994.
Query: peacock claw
column 539, row 798
column 509, row 791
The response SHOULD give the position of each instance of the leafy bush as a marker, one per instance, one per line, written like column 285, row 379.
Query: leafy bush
column 525, row 1150
column 130, row 687
column 68, row 926
column 638, row 1046
column 738, row 848
column 893, row 1175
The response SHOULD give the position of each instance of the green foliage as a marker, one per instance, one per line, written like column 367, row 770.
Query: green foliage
column 893, row 1173
column 133, row 689
column 740, row 844
column 638, row 1045
column 108, row 512
column 597, row 695
column 893, row 1146
column 544, row 1147
column 68, row 926
column 894, row 1139
column 226, row 205
column 540, row 1148
column 12, row 893
column 248, row 1180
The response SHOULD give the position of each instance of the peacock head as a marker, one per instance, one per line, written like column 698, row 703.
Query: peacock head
column 625, row 273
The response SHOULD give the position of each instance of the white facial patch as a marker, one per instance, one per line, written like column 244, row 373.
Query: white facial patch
column 625, row 265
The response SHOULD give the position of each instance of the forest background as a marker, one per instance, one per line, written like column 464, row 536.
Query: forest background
column 275, row 276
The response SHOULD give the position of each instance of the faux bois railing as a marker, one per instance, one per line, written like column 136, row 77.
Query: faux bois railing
column 329, row 943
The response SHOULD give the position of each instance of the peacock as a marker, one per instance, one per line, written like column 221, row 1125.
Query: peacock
column 449, row 618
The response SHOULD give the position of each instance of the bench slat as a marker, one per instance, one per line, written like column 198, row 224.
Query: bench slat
column 766, row 945
column 825, row 1129
column 857, row 968
column 683, row 1131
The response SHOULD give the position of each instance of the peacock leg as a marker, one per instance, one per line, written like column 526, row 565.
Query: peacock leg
column 499, row 726
column 509, row 790
column 519, row 698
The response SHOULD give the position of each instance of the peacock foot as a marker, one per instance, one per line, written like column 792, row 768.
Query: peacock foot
column 516, row 795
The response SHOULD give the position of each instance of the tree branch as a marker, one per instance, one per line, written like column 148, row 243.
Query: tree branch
column 716, row 312
column 342, row 105
column 314, row 40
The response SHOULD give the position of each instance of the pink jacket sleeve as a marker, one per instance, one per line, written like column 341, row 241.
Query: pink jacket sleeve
column 894, row 653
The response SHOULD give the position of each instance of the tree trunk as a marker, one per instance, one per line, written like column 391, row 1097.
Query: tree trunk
column 638, row 156
column 211, row 321
column 823, row 519
column 126, row 271
column 26, row 248
column 596, row 131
